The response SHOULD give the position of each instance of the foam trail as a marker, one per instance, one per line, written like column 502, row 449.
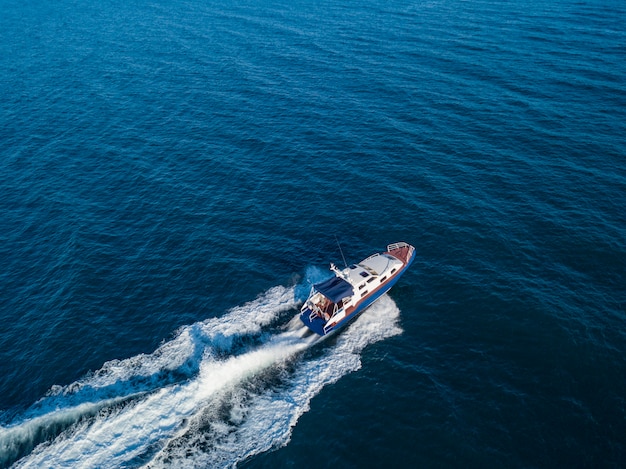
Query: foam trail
column 175, row 361
column 115, row 439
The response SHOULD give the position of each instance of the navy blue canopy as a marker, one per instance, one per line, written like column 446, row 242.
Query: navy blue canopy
column 335, row 289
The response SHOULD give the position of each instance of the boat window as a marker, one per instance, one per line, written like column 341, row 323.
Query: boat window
column 393, row 270
column 371, row 280
column 353, row 266
column 365, row 292
column 364, row 274
column 383, row 279
column 362, row 286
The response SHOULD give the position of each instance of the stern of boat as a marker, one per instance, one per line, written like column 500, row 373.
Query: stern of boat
column 312, row 321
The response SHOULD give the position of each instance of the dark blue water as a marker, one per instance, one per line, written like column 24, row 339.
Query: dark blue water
column 173, row 175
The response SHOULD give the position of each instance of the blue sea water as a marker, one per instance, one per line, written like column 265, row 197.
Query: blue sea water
column 173, row 175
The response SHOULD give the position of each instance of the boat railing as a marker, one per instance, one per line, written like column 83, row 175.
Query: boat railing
column 394, row 246
column 315, row 312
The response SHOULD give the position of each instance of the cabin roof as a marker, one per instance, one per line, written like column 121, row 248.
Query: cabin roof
column 335, row 289
column 380, row 263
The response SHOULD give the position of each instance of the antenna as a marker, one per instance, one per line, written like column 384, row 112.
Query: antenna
column 342, row 256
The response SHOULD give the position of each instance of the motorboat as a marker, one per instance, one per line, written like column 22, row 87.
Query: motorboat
column 334, row 302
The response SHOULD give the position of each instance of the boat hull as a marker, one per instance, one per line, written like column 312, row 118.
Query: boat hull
column 318, row 325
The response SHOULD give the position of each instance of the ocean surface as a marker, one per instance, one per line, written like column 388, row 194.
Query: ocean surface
column 175, row 174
